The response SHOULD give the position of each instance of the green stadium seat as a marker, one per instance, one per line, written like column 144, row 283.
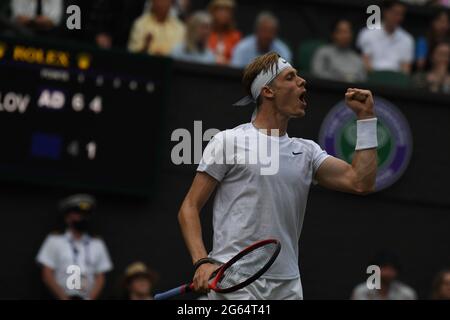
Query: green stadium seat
column 389, row 78
column 306, row 52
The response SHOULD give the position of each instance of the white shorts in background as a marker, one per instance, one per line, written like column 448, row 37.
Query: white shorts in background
column 264, row 289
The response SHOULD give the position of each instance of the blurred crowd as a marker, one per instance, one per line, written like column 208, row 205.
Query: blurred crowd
column 389, row 55
column 75, row 245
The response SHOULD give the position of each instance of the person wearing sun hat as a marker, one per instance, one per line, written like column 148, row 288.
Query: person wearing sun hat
column 139, row 281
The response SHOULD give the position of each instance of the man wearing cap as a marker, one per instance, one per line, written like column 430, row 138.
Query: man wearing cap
column 74, row 263
column 253, row 204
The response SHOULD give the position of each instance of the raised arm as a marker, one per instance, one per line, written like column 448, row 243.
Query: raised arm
column 359, row 177
column 189, row 219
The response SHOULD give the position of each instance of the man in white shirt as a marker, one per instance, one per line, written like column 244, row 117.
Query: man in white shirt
column 267, row 198
column 390, row 48
column 390, row 287
column 74, row 263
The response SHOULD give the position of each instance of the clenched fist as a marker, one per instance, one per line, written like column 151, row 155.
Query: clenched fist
column 361, row 102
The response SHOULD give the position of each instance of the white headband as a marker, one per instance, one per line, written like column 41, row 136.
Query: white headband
column 262, row 80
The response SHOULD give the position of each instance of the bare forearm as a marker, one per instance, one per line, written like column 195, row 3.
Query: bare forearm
column 365, row 169
column 406, row 68
column 367, row 63
column 53, row 286
column 98, row 286
column 191, row 229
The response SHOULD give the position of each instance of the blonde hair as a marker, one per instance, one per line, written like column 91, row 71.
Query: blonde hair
column 195, row 20
column 261, row 63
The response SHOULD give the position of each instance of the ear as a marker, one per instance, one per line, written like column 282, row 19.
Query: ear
column 267, row 92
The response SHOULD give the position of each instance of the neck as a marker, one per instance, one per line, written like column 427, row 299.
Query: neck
column 269, row 119
column 222, row 28
column 263, row 48
column 76, row 234
column 389, row 29
column 160, row 17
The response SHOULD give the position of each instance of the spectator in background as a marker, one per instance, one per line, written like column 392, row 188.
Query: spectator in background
column 338, row 61
column 438, row 32
column 76, row 248
column 391, row 288
column 224, row 35
column 195, row 46
column 179, row 9
column 439, row 3
column 139, row 282
column 438, row 78
column 156, row 32
column 40, row 16
column 390, row 48
column 441, row 286
column 263, row 41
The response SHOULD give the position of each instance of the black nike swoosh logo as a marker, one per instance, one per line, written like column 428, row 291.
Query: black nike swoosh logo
column 296, row 153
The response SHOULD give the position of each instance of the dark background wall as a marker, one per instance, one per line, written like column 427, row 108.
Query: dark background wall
column 341, row 232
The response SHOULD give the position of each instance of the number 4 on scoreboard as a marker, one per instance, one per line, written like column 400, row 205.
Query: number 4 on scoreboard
column 96, row 104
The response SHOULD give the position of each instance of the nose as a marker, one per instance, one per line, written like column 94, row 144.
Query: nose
column 301, row 82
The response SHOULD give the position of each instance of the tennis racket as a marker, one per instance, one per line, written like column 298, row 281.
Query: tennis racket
column 244, row 268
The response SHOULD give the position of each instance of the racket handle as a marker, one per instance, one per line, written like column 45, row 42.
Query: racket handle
column 173, row 292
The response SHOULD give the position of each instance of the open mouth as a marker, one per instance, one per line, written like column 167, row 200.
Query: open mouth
column 302, row 98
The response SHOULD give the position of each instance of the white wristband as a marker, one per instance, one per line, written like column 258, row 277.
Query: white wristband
column 366, row 134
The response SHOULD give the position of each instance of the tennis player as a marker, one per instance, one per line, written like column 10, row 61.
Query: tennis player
column 252, row 204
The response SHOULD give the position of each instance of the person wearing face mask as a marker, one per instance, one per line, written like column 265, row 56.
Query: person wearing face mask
column 74, row 263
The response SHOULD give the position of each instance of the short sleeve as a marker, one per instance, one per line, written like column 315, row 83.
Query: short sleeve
column 362, row 41
column 318, row 156
column 214, row 160
column 47, row 254
column 137, row 36
column 409, row 49
column 103, row 263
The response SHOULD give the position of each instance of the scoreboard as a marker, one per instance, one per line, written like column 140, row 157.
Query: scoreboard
column 80, row 117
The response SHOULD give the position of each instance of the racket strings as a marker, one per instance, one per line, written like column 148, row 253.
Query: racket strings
column 247, row 266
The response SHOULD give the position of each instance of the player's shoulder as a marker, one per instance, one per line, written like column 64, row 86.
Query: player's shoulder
column 310, row 145
column 233, row 132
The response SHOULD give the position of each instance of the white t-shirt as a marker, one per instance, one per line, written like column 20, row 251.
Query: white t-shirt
column 59, row 251
column 250, row 206
column 386, row 51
